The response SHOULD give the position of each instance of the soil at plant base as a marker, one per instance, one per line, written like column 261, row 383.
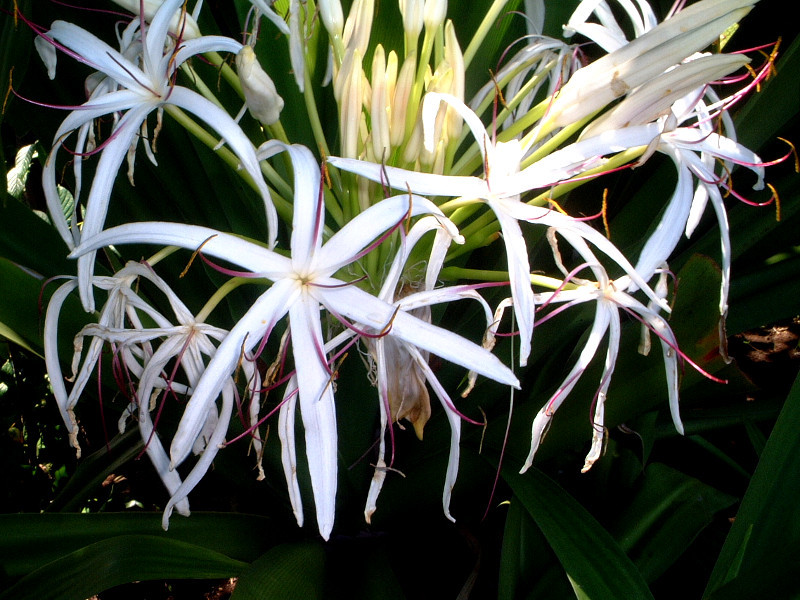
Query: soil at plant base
column 180, row 589
column 769, row 356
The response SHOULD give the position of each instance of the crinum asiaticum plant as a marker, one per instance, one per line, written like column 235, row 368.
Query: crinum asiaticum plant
column 400, row 167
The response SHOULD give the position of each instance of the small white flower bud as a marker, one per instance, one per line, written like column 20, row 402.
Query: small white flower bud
column 435, row 11
column 260, row 94
column 330, row 11
column 413, row 12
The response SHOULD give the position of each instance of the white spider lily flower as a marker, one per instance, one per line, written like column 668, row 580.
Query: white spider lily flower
column 610, row 296
column 402, row 370
column 144, row 88
column 120, row 325
column 696, row 152
column 263, row 100
column 302, row 285
column 614, row 75
column 501, row 189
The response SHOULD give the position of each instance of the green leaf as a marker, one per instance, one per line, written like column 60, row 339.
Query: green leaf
column 765, row 522
column 30, row 541
column 119, row 560
column 667, row 512
column 595, row 564
column 767, row 113
column 528, row 566
column 18, row 174
column 93, row 469
column 285, row 572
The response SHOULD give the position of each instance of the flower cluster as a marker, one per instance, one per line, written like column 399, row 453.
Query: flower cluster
column 411, row 176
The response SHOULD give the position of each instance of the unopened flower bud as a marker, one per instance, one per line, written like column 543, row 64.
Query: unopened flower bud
column 260, row 94
column 435, row 11
column 379, row 105
column 413, row 12
column 359, row 25
column 330, row 11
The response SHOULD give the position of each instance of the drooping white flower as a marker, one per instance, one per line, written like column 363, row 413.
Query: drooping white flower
column 141, row 355
column 144, row 85
column 610, row 297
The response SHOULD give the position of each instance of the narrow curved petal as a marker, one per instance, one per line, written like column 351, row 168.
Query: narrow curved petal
column 519, row 274
column 246, row 254
column 204, row 462
column 267, row 310
column 670, row 228
column 288, row 448
column 307, row 220
column 104, row 58
column 230, row 131
column 545, row 414
column 201, row 45
column 364, row 308
column 154, row 35
column 317, row 408
column 420, row 183
column 52, row 361
column 379, row 475
column 345, row 245
column 455, row 431
column 100, row 194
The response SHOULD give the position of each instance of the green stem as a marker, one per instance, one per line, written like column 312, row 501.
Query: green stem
column 461, row 273
column 225, row 289
column 283, row 207
column 483, row 30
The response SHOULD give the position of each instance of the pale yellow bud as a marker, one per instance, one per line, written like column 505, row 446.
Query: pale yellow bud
column 381, row 139
column 260, row 94
column 358, row 25
column 350, row 102
column 454, row 57
column 402, row 92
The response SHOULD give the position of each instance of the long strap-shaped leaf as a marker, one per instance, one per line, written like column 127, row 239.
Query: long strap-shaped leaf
column 119, row 560
column 760, row 552
column 595, row 564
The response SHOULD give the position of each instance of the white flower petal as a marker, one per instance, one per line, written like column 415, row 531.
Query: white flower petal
column 364, row 308
column 317, row 408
